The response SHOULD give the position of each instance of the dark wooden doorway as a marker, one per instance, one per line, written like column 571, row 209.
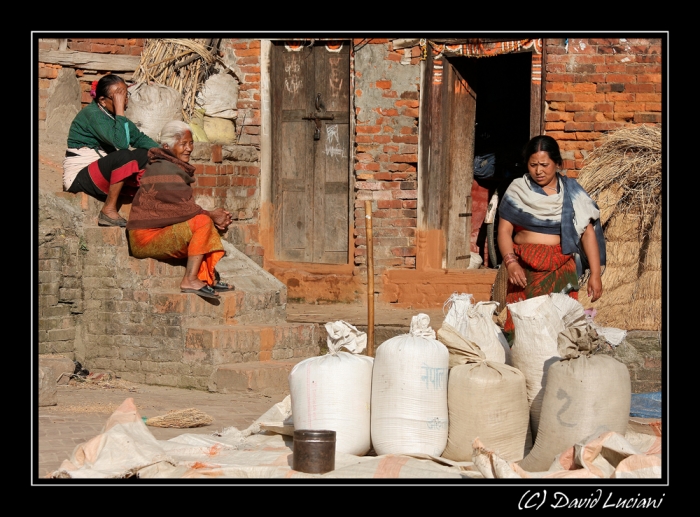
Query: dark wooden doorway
column 310, row 94
column 466, row 99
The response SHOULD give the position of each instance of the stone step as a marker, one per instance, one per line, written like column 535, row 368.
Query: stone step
column 232, row 308
column 264, row 377
column 224, row 344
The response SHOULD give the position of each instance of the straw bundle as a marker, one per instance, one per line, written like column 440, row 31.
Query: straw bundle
column 623, row 175
column 182, row 64
column 181, row 418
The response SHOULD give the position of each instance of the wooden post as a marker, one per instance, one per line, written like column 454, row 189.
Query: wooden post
column 370, row 279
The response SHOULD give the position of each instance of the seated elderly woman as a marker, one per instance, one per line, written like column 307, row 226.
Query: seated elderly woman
column 166, row 223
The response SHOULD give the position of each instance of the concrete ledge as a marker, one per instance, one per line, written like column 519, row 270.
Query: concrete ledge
column 61, row 366
column 264, row 377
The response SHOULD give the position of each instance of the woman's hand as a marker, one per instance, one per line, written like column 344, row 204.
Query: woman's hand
column 221, row 218
column 516, row 274
column 595, row 287
column 119, row 96
column 590, row 248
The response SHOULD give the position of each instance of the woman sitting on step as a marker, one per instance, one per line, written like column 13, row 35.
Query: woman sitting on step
column 166, row 223
column 99, row 160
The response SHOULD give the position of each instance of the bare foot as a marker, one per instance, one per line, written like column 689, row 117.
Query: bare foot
column 191, row 284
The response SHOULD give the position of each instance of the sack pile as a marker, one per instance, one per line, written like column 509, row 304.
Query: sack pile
column 463, row 391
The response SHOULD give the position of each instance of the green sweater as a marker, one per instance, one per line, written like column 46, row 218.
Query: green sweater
column 95, row 129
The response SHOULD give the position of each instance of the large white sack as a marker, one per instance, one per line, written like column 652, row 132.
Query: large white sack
column 485, row 400
column 151, row 106
column 537, row 324
column 585, row 395
column 409, row 393
column 218, row 96
column 475, row 322
column 333, row 391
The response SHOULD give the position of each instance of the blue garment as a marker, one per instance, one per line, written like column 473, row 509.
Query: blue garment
column 522, row 206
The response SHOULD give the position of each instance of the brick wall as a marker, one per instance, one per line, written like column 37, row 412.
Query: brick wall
column 386, row 153
column 594, row 85
column 47, row 72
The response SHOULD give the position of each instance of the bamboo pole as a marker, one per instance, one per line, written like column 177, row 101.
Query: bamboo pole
column 370, row 279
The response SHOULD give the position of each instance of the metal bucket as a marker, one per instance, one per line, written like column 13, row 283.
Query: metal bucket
column 314, row 451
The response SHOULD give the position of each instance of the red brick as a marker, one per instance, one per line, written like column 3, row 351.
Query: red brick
column 559, row 96
column 619, row 97
column 206, row 181
column 582, row 87
column 589, row 97
column 647, row 118
column 624, row 116
column 404, row 158
column 629, row 106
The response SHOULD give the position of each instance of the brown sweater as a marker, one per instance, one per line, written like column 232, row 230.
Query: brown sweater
column 165, row 196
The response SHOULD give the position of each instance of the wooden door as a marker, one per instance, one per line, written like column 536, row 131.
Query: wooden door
column 311, row 151
column 449, row 115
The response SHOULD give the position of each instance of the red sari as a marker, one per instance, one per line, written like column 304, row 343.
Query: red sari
column 547, row 270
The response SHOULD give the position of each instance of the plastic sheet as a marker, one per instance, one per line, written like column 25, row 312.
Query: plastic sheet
column 646, row 405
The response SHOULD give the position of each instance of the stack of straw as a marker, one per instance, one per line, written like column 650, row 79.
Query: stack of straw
column 623, row 174
column 182, row 64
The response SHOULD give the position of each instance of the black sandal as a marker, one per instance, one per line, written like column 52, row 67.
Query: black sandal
column 223, row 286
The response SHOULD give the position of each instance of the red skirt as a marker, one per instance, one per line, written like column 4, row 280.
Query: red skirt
column 547, row 270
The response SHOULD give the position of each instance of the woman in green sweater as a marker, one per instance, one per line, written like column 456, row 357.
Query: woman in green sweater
column 106, row 151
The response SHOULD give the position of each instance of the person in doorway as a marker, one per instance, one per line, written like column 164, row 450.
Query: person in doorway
column 549, row 233
column 99, row 159
column 166, row 223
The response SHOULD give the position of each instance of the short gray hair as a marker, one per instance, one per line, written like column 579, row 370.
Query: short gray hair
column 172, row 132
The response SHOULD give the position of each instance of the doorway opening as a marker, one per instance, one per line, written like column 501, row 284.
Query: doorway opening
column 503, row 122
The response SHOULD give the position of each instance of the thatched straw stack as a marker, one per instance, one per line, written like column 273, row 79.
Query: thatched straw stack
column 182, row 64
column 623, row 175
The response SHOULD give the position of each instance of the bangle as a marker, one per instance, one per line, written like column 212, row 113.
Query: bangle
column 509, row 258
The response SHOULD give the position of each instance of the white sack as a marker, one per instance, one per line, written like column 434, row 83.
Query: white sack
column 333, row 392
column 537, row 324
column 219, row 96
column 151, row 106
column 475, row 323
column 409, row 393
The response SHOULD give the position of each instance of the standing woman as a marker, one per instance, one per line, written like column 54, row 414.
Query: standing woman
column 549, row 232
column 99, row 160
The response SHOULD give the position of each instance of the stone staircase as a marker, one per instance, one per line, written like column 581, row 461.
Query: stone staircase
column 136, row 323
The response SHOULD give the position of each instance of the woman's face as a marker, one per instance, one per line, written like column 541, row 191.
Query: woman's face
column 109, row 100
column 183, row 147
column 542, row 169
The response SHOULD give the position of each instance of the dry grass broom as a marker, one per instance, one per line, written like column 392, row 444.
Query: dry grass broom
column 181, row 419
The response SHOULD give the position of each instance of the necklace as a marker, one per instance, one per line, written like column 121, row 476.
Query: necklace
column 551, row 188
column 105, row 111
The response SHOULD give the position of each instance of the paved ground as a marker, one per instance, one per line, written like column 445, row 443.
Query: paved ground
column 83, row 409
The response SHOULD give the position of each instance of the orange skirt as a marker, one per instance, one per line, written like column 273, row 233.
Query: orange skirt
column 196, row 236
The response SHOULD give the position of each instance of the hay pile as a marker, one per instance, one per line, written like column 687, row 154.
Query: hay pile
column 624, row 176
column 182, row 64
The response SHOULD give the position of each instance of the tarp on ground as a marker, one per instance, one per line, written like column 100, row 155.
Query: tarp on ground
column 126, row 448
